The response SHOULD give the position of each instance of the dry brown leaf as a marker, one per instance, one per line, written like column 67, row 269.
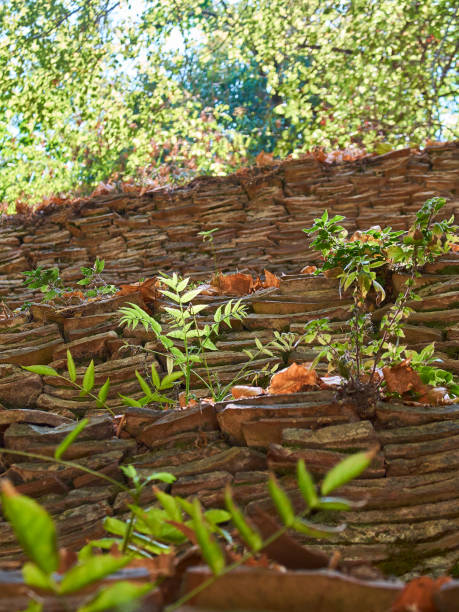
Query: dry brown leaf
column 271, row 280
column 435, row 396
column 349, row 154
column 128, row 289
column 418, row 595
column 130, row 188
column 240, row 391
column 402, row 378
column 295, row 378
column 102, row 189
column 183, row 403
column 365, row 237
column 208, row 400
column 71, row 294
column 262, row 560
column 308, row 270
column 171, row 586
column 319, row 155
column 147, row 289
column 257, row 285
column 264, row 159
column 187, row 531
column 235, row 284
column 240, row 284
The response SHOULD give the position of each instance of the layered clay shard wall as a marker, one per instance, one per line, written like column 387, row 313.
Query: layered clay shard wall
column 260, row 216
column 411, row 522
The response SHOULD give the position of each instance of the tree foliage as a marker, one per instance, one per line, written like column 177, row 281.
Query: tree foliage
column 95, row 88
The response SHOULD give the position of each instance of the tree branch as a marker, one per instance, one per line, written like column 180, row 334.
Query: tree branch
column 319, row 47
column 103, row 13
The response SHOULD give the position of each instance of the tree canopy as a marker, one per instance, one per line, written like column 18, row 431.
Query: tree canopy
column 92, row 89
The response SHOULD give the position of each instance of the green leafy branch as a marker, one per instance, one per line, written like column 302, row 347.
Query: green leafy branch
column 361, row 263
column 94, row 282
column 52, row 286
column 151, row 531
column 196, row 337
column 36, row 533
column 48, row 282
column 167, row 525
column 88, row 381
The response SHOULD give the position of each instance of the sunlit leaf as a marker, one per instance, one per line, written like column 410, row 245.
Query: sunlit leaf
column 89, row 571
column 103, row 393
column 347, row 470
column 35, row 577
column 71, row 366
column 143, row 383
column 169, row 379
column 116, row 596
column 155, row 376
column 130, row 401
column 32, row 526
column 306, row 485
column 251, row 537
column 170, row 505
column 209, row 546
column 281, row 501
column 88, row 378
column 43, row 370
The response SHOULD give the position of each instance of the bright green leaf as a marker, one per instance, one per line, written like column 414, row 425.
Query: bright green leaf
column 210, row 548
column 347, row 470
column 103, row 393
column 33, row 527
column 71, row 366
column 43, row 370
column 88, row 378
column 306, row 485
column 250, row 536
column 35, row 577
column 143, row 383
column 281, row 501
column 115, row 596
column 90, row 571
column 155, row 376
